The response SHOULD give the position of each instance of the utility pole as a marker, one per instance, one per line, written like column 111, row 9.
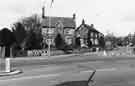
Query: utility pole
column 48, row 29
column 49, row 40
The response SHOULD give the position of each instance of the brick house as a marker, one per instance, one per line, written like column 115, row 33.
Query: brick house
column 82, row 32
column 51, row 26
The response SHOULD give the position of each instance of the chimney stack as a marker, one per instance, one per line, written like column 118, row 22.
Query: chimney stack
column 83, row 21
column 43, row 12
column 74, row 16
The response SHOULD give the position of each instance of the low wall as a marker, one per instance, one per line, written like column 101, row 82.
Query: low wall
column 37, row 53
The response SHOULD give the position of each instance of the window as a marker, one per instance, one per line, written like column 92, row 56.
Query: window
column 96, row 42
column 44, row 31
column 51, row 41
column 95, row 35
column 92, row 41
column 69, row 31
column 50, row 30
column 91, row 34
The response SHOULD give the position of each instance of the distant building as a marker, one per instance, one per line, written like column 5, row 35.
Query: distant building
column 84, row 30
column 51, row 26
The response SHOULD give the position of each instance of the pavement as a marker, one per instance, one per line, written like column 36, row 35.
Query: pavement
column 12, row 72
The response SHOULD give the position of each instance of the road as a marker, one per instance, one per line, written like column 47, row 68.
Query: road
column 102, row 78
column 67, row 60
column 111, row 71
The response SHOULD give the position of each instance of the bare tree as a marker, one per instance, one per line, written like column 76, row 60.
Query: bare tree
column 32, row 23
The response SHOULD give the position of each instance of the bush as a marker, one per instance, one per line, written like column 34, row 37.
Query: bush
column 77, row 41
column 61, row 45
column 33, row 42
column 59, row 42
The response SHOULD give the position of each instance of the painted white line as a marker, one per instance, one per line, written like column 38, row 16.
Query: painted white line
column 32, row 77
column 53, row 68
column 100, row 70
column 110, row 69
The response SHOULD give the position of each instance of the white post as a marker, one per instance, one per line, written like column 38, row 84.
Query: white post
column 7, row 65
column 104, row 53
column 7, row 69
column 97, row 49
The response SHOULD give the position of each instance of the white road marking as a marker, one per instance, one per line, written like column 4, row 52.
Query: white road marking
column 100, row 70
column 52, row 68
column 52, row 75
column 32, row 77
column 111, row 69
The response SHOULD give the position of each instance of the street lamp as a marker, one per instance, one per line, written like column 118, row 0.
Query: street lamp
column 48, row 39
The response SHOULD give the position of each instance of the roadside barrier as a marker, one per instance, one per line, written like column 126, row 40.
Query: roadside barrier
column 37, row 53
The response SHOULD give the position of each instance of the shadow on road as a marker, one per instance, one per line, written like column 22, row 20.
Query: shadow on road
column 89, row 82
column 73, row 83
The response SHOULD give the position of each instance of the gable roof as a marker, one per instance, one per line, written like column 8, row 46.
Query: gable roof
column 88, row 27
column 66, row 21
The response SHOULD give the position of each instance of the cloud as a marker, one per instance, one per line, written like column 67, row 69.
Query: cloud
column 12, row 10
column 129, row 18
column 19, row 6
column 113, row 15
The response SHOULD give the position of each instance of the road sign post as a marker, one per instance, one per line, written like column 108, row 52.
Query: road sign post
column 49, row 46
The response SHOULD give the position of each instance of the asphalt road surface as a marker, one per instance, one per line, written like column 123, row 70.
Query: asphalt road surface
column 114, row 71
column 102, row 78
column 68, row 60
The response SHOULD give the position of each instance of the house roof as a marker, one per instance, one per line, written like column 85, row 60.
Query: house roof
column 66, row 21
column 88, row 27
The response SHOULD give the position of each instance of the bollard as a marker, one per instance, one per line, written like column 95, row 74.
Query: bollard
column 105, row 53
column 97, row 49
column 7, row 64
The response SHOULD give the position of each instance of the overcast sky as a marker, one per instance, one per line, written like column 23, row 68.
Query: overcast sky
column 117, row 16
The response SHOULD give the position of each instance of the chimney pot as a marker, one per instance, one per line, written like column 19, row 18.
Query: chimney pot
column 74, row 16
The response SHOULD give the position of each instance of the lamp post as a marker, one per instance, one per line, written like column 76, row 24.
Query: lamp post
column 49, row 40
column 49, row 48
column 48, row 31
